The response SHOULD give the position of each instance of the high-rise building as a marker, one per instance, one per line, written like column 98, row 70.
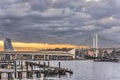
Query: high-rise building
column 8, row 45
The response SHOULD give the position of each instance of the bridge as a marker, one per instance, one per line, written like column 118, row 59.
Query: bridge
column 36, row 55
column 97, row 51
column 10, row 54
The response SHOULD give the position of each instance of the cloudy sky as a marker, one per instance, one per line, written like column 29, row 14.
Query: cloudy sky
column 61, row 21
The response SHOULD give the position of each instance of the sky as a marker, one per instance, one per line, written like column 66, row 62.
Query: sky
column 72, row 22
column 21, row 46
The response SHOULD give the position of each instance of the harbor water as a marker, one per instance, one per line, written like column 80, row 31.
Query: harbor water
column 89, row 70
column 85, row 70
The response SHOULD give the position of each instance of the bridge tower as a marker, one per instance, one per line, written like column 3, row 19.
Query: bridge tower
column 95, row 44
column 96, row 52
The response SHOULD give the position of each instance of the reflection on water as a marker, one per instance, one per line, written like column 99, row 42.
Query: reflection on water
column 89, row 70
column 86, row 70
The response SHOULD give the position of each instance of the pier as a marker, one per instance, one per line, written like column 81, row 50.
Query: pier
column 30, row 70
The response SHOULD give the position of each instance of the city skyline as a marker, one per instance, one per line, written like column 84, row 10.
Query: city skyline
column 20, row 46
column 72, row 22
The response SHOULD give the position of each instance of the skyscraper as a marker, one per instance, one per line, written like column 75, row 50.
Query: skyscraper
column 8, row 45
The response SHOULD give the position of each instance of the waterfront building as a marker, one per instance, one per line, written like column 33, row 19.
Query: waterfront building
column 79, row 53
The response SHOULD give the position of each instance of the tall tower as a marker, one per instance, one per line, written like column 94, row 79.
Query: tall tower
column 95, row 44
column 8, row 45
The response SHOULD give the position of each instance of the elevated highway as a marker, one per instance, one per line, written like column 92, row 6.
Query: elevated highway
column 44, row 55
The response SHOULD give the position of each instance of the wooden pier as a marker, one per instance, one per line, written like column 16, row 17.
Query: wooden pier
column 30, row 70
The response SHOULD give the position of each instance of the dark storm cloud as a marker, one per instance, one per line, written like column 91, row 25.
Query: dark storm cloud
column 60, row 21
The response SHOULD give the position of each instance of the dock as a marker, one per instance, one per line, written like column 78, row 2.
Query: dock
column 30, row 70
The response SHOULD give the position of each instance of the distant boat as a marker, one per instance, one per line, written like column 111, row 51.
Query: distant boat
column 107, row 60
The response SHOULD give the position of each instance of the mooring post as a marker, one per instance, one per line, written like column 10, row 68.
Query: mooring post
column 0, row 76
column 39, row 70
column 59, row 64
column 44, row 69
column 21, row 65
column 15, row 68
column 9, row 76
column 32, row 70
column 26, row 69
column 39, row 65
column 48, row 64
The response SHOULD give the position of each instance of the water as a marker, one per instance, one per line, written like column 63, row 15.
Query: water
column 89, row 70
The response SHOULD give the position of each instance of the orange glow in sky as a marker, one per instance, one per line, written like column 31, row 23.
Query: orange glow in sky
column 20, row 46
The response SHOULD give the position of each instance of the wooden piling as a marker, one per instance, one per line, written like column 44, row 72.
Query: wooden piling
column 32, row 70
column 39, row 70
column 9, row 76
column 48, row 64
column 20, row 75
column 27, row 69
column 0, row 76
column 39, row 63
column 21, row 65
column 44, row 69
column 15, row 68
column 59, row 65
